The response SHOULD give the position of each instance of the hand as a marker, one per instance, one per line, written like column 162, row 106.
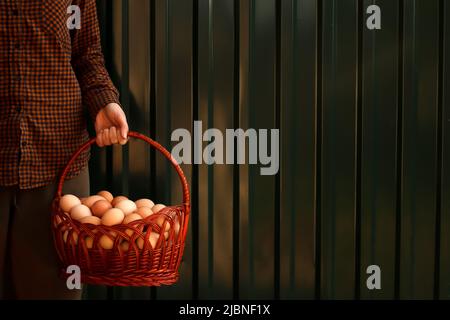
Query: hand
column 111, row 126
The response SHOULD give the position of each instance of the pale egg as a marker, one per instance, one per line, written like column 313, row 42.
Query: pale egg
column 79, row 212
column 157, row 207
column 153, row 240
column 144, row 212
column 144, row 203
column 130, row 218
column 127, row 206
column 89, row 201
column 73, row 237
column 100, row 207
column 107, row 242
column 112, row 217
column 118, row 199
column 91, row 219
column 106, row 194
column 68, row 201
column 56, row 221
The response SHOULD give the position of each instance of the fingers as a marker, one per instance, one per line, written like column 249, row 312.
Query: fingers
column 113, row 135
column 123, row 125
column 107, row 137
column 99, row 139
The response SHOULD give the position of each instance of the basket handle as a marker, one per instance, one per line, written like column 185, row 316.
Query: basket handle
column 156, row 145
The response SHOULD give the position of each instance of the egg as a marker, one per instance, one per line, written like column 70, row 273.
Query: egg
column 160, row 221
column 127, row 206
column 89, row 242
column 118, row 199
column 89, row 201
column 68, row 201
column 112, row 217
column 107, row 242
column 157, row 207
column 79, row 212
column 106, row 194
column 130, row 218
column 153, row 238
column 56, row 221
column 176, row 227
column 144, row 212
column 125, row 246
column 100, row 207
column 91, row 219
column 73, row 237
column 144, row 203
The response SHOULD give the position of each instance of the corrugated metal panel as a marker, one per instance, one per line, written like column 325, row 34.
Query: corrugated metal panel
column 364, row 125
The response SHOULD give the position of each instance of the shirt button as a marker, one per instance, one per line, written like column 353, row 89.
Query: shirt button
column 18, row 109
column 24, row 143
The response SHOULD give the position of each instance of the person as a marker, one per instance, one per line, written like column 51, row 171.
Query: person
column 52, row 79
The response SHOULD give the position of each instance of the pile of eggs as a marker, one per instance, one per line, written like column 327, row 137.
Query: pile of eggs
column 105, row 209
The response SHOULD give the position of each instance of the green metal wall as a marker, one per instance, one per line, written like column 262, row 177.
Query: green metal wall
column 364, row 117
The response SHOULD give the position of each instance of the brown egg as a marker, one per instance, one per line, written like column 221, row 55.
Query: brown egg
column 91, row 219
column 106, row 194
column 89, row 201
column 125, row 246
column 107, row 242
column 118, row 199
column 153, row 240
column 157, row 207
column 144, row 212
column 160, row 221
column 130, row 218
column 176, row 227
column 68, row 201
column 144, row 203
column 100, row 207
column 113, row 217
column 79, row 212
column 89, row 242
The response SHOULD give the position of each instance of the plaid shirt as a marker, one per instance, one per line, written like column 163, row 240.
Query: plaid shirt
column 48, row 72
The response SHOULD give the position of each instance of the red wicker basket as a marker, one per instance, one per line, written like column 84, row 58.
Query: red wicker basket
column 135, row 259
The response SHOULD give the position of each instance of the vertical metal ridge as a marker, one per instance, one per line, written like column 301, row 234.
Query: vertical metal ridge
column 251, row 123
column 358, row 151
column 318, row 191
column 440, row 154
column 195, row 169
column 398, row 218
column 210, row 119
column 277, row 216
column 236, row 124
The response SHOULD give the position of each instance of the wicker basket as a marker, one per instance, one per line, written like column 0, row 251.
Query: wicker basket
column 146, row 262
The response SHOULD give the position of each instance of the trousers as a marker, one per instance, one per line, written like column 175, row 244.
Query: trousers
column 28, row 259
